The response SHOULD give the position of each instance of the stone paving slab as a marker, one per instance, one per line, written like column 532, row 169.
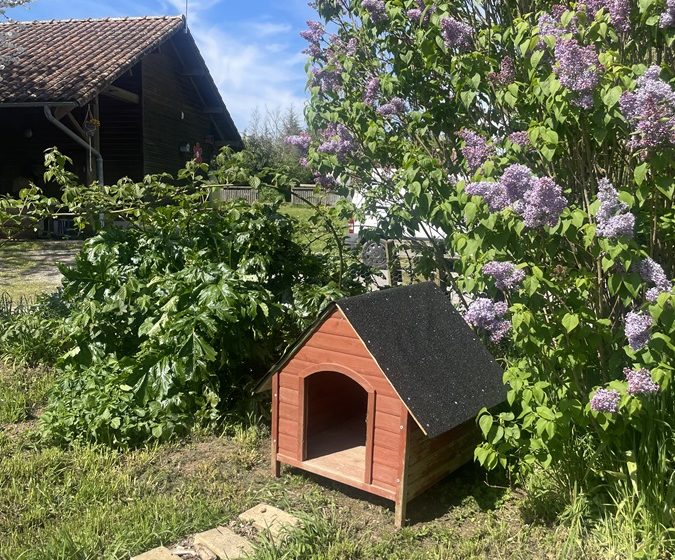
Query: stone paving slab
column 226, row 544
column 268, row 518
column 159, row 553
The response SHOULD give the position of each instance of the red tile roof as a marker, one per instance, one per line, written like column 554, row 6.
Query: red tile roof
column 71, row 60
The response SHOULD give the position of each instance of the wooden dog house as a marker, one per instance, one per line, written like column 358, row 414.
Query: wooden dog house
column 381, row 393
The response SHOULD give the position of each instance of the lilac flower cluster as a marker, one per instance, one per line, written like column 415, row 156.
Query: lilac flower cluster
column 520, row 138
column 578, row 69
column 328, row 81
column 651, row 111
column 301, row 141
column 506, row 74
column 539, row 201
column 488, row 315
column 372, row 91
column 394, row 107
column 338, row 140
column 606, row 400
column 476, row 150
column 637, row 328
column 418, row 15
column 326, row 182
column 667, row 18
column 492, row 193
column 544, row 203
column 640, row 382
column 456, row 34
column 618, row 10
column 505, row 274
column 338, row 47
column 313, row 36
column 652, row 272
column 612, row 220
column 376, row 9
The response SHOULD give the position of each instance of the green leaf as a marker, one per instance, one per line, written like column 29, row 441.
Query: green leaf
column 485, row 423
column 640, row 172
column 570, row 321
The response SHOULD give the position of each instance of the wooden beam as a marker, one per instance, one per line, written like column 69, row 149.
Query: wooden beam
column 76, row 125
column 61, row 112
column 401, row 500
column 276, row 465
column 121, row 94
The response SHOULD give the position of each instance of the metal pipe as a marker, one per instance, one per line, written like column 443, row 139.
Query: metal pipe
column 58, row 124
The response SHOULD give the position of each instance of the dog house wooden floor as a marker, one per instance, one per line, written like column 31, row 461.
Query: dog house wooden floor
column 336, row 425
column 381, row 394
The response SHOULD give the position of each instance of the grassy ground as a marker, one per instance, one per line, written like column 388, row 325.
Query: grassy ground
column 29, row 268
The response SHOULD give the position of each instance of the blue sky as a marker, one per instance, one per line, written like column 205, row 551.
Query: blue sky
column 252, row 47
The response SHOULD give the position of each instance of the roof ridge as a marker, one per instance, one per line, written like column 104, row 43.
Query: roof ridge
column 82, row 20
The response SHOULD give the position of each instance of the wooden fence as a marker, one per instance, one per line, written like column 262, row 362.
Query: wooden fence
column 300, row 195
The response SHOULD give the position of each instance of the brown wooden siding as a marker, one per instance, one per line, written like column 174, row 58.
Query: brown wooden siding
column 172, row 113
column 430, row 460
column 336, row 342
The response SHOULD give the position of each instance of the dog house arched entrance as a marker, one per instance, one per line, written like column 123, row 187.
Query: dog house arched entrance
column 338, row 411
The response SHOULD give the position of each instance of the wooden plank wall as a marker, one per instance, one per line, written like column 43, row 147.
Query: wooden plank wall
column 172, row 114
column 336, row 342
column 430, row 460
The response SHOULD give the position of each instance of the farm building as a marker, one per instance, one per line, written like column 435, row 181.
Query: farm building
column 121, row 97
column 381, row 393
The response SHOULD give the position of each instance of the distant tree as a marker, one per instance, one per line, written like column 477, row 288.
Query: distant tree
column 265, row 139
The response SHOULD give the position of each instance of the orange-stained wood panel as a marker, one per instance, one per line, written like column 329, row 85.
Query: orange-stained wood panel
column 287, row 395
column 388, row 440
column 387, row 422
column 384, row 474
column 390, row 404
column 288, row 412
column 287, row 445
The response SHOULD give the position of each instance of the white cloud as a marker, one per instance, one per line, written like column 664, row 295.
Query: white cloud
column 250, row 70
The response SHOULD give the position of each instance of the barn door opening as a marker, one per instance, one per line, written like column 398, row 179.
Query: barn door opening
column 337, row 409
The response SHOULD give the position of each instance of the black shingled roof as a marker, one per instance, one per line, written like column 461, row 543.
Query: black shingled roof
column 439, row 368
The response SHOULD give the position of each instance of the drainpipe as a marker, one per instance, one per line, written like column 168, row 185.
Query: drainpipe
column 58, row 124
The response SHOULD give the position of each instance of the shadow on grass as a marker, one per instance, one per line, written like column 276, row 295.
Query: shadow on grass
column 466, row 484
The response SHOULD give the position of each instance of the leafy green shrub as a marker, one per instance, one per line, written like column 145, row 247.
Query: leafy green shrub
column 33, row 333
column 174, row 317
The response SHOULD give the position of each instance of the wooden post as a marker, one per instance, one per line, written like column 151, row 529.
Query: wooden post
column 402, row 490
column 276, row 466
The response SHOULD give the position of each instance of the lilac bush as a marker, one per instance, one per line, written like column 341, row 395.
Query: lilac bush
column 640, row 381
column 535, row 138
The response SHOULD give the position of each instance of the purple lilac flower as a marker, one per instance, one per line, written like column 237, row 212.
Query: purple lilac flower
column 618, row 10
column 606, row 400
column 337, row 47
column 505, row 274
column 493, row 193
column 640, row 382
column 328, row 81
column 543, row 203
column 476, row 150
column 376, row 9
column 667, row 18
column 395, row 107
column 488, row 315
column 650, row 109
column 637, row 328
column 506, row 74
column 338, row 140
column 456, row 34
column 325, row 181
column 313, row 36
column 372, row 91
column 652, row 272
column 304, row 162
column 520, row 138
column 516, row 180
column 613, row 219
column 418, row 14
column 301, row 141
column 578, row 69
